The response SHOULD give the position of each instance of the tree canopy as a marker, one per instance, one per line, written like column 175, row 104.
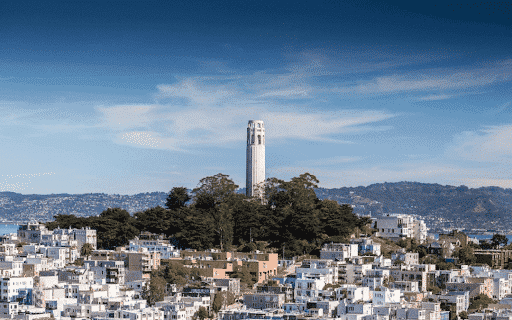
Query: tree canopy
column 289, row 218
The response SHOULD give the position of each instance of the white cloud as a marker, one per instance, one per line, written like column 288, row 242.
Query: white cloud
column 434, row 97
column 217, row 109
column 493, row 144
column 127, row 117
column 292, row 93
column 432, row 79
column 203, row 126
column 197, row 92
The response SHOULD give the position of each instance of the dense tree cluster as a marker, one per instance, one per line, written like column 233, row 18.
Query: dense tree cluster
column 289, row 218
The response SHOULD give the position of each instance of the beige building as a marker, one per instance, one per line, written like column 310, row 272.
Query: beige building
column 475, row 286
column 219, row 265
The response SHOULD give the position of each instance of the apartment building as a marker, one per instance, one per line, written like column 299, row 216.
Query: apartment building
column 154, row 243
column 407, row 258
column 339, row 251
column 38, row 233
column 366, row 245
column 397, row 226
column 264, row 300
column 17, row 289
column 320, row 267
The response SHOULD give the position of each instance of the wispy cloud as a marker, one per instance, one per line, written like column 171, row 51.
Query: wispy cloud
column 191, row 127
column 434, row 97
column 432, row 79
column 126, row 117
column 493, row 144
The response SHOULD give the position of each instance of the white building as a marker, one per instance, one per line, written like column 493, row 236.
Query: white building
column 384, row 296
column 154, row 244
column 38, row 233
column 308, row 287
column 17, row 289
column 353, row 293
column 339, row 251
column 396, row 226
column 11, row 268
column 375, row 278
column 8, row 310
column 408, row 258
column 315, row 267
column 255, row 166
column 356, row 272
column 366, row 245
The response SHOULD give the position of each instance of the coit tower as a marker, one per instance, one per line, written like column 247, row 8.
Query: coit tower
column 255, row 169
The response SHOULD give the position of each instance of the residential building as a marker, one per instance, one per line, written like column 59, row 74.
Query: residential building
column 339, row 251
column 17, row 289
column 397, row 226
column 264, row 300
column 154, row 243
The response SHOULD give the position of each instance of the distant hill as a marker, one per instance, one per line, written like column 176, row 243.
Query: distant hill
column 441, row 206
column 21, row 207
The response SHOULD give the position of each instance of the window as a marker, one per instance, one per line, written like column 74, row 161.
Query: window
column 259, row 139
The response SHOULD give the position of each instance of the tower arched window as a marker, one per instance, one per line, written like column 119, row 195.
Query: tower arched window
column 259, row 139
column 259, row 125
column 248, row 136
column 252, row 139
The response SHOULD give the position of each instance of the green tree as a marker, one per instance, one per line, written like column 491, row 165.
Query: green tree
column 466, row 255
column 452, row 308
column 486, row 245
column 155, row 220
column 248, row 220
column 86, row 250
column 244, row 275
column 481, row 302
column 201, row 314
column 175, row 273
column 114, row 227
column 499, row 240
column 197, row 230
column 155, row 290
column 213, row 197
column 337, row 221
column 178, row 198
column 218, row 302
column 463, row 315
column 433, row 289
column 215, row 189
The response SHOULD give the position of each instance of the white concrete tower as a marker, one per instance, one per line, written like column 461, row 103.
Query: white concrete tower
column 255, row 169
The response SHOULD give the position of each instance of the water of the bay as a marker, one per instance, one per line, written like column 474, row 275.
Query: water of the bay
column 8, row 228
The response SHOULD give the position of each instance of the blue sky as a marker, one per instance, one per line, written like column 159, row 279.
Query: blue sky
column 139, row 96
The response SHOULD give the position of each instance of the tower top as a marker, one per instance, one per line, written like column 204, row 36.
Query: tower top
column 255, row 124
